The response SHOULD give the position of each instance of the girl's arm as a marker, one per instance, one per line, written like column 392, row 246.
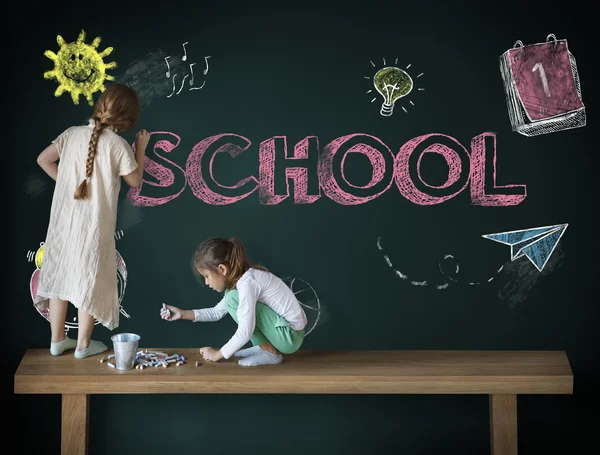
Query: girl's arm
column 215, row 313
column 248, row 292
column 134, row 178
column 173, row 313
column 48, row 160
column 187, row 315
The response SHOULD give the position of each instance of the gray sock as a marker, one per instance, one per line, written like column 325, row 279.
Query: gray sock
column 247, row 352
column 261, row 358
column 95, row 347
column 62, row 346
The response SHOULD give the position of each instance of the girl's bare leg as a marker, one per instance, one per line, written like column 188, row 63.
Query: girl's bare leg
column 86, row 326
column 85, row 345
column 58, row 315
column 269, row 348
column 59, row 342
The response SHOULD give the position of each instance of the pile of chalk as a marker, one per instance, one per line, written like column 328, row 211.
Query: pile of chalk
column 146, row 358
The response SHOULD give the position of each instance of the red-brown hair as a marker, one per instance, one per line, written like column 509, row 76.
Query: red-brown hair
column 118, row 108
column 229, row 252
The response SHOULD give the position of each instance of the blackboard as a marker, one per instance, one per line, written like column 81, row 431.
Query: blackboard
column 390, row 261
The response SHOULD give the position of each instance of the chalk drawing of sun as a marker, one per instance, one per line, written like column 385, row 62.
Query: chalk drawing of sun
column 79, row 68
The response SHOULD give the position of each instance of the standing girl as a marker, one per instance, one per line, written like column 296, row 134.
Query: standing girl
column 80, row 263
column 266, row 310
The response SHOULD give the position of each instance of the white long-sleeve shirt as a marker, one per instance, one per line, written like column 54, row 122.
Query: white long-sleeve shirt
column 255, row 286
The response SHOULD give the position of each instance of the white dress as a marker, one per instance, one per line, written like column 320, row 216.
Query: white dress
column 79, row 263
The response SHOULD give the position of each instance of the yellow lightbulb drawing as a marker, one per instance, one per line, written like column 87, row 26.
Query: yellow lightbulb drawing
column 79, row 68
column 392, row 83
column 39, row 256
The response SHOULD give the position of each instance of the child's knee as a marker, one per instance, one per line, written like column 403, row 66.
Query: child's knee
column 290, row 346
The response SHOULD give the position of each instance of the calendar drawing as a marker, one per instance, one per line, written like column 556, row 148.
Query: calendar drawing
column 542, row 88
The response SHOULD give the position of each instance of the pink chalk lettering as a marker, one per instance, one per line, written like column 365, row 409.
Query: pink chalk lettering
column 164, row 175
column 382, row 163
column 277, row 167
column 454, row 165
column 456, row 157
column 504, row 195
column 301, row 167
column 232, row 144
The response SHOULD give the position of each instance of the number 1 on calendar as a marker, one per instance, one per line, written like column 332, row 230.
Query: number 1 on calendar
column 539, row 67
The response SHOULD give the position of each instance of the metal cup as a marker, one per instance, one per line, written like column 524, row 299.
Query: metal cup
column 125, row 346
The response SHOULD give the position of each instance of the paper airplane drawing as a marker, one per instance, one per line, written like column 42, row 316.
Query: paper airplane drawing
column 536, row 243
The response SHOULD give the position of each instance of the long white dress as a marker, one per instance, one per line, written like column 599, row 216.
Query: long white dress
column 79, row 263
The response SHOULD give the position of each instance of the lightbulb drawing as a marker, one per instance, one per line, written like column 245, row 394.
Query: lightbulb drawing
column 392, row 83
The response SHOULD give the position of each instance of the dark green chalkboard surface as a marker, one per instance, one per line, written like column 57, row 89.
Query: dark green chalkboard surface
column 269, row 126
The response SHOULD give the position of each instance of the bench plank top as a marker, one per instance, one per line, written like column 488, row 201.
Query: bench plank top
column 308, row 371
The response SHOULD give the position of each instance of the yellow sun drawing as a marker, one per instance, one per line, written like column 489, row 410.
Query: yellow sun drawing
column 79, row 68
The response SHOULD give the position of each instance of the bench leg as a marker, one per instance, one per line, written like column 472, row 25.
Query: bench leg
column 75, row 416
column 503, row 424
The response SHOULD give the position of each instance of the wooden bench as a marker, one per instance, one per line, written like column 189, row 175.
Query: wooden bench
column 500, row 374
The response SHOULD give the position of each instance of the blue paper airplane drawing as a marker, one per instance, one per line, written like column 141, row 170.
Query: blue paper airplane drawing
column 536, row 243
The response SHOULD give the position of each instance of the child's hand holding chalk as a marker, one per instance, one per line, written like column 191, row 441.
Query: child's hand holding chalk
column 170, row 313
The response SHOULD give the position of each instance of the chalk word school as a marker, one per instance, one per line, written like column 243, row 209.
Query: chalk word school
column 316, row 173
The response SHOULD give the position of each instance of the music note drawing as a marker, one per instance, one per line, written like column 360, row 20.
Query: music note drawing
column 192, row 71
column 184, row 58
column 168, row 73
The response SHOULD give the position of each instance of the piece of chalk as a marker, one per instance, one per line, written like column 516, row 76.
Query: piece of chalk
column 111, row 356
column 110, row 364
column 197, row 363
